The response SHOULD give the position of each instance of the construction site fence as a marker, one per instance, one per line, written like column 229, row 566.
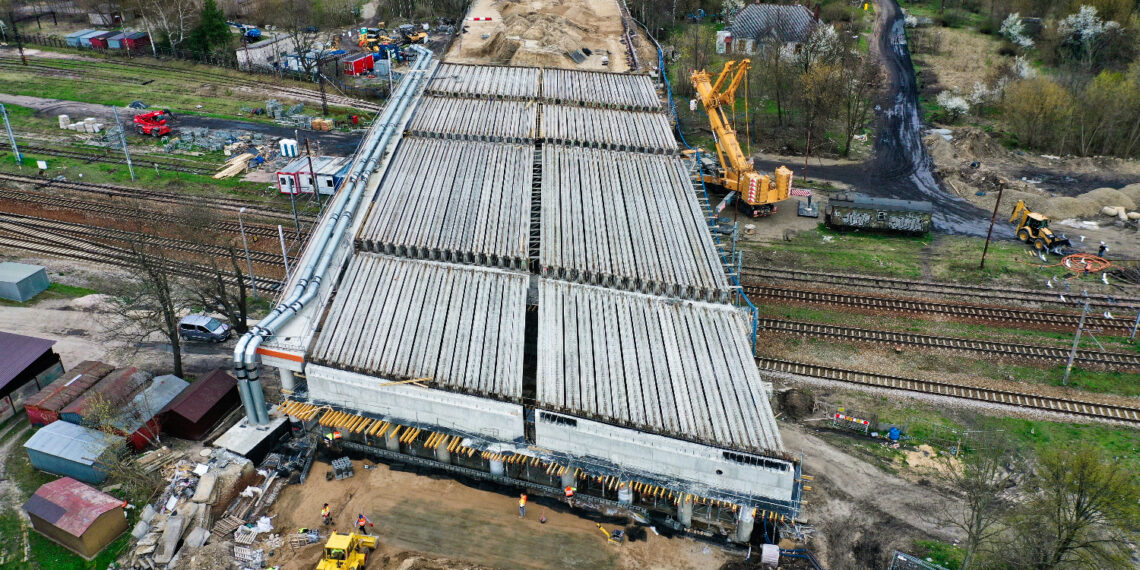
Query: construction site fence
column 739, row 297
column 228, row 60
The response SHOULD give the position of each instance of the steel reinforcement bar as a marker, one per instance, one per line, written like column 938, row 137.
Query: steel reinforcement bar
column 1011, row 316
column 1017, row 399
column 987, row 292
column 1026, row 351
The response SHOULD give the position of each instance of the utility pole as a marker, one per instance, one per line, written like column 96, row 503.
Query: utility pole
column 123, row 141
column 19, row 41
column 12, row 137
column 989, row 234
column 1076, row 341
column 313, row 177
column 1135, row 325
column 321, row 85
column 248, row 261
column 284, row 252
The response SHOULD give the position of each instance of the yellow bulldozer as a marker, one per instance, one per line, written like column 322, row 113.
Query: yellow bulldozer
column 1033, row 228
column 347, row 551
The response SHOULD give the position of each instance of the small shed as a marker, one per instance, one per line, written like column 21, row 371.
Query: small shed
column 332, row 174
column 358, row 65
column 201, row 406
column 27, row 364
column 20, row 281
column 115, row 388
column 100, row 41
column 72, row 39
column 76, row 516
column 74, row 451
column 288, row 178
column 115, row 41
column 44, row 406
column 136, row 40
column 140, row 424
column 85, row 39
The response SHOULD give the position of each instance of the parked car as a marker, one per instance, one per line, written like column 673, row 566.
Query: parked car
column 201, row 327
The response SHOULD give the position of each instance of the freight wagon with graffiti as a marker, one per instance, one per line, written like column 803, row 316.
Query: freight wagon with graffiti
column 852, row 211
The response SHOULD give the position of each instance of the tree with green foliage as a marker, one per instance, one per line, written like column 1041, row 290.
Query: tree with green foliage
column 212, row 32
column 1079, row 513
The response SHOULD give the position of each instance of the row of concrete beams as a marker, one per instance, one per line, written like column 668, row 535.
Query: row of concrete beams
column 679, row 368
column 607, row 128
column 476, row 119
column 457, row 201
column 461, row 326
column 625, row 220
column 591, row 88
column 485, row 81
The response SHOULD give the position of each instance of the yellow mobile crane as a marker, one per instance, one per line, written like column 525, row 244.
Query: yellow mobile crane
column 758, row 192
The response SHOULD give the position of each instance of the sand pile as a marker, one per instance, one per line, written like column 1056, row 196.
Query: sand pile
column 1086, row 205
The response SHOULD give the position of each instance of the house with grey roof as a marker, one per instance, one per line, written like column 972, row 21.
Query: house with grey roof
column 788, row 24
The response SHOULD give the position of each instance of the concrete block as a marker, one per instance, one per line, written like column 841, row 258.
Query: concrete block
column 205, row 490
column 140, row 530
column 168, row 544
column 148, row 513
column 197, row 537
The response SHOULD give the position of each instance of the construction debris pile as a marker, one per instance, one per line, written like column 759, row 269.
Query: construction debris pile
column 211, row 139
column 87, row 125
column 211, row 514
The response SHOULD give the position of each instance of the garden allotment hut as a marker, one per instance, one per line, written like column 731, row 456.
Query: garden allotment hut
column 78, row 517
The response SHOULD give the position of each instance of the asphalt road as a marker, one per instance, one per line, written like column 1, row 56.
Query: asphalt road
column 331, row 142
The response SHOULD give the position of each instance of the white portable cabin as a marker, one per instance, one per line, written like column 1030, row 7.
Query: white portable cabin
column 331, row 174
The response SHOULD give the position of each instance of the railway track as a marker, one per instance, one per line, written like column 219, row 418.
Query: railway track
column 149, row 70
column 1115, row 360
column 89, row 157
column 1025, row 400
column 765, row 275
column 114, row 191
column 27, row 225
column 90, row 207
column 1019, row 317
column 98, row 253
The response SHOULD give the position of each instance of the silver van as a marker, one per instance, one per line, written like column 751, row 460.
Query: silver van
column 201, row 327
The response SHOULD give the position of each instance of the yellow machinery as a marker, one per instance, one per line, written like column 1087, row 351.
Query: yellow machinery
column 1033, row 228
column 758, row 193
column 346, row 551
column 371, row 38
column 615, row 537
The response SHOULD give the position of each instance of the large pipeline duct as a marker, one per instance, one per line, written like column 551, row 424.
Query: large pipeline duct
column 324, row 244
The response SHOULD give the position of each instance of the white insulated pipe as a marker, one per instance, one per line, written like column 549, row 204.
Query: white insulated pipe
column 313, row 271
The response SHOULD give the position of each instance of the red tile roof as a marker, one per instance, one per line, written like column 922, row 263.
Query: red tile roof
column 70, row 505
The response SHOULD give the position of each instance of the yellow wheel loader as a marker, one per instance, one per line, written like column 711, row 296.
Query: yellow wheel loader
column 1033, row 228
column 347, row 551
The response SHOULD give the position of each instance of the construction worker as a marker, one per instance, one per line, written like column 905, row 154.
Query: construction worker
column 570, row 495
column 522, row 505
column 326, row 514
column 361, row 522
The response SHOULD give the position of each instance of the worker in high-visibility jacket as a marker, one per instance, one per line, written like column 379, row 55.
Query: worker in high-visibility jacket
column 362, row 522
column 522, row 505
column 326, row 514
column 570, row 494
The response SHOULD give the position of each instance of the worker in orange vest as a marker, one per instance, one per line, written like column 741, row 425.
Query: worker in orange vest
column 326, row 514
column 522, row 505
column 570, row 495
column 361, row 522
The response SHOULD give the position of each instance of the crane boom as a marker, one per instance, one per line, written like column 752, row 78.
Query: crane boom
column 758, row 192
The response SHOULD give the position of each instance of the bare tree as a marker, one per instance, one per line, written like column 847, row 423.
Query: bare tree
column 147, row 301
column 172, row 18
column 109, row 416
column 224, row 290
column 859, row 82
column 983, row 480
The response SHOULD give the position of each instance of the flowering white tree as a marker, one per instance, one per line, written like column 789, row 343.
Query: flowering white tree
column 954, row 105
column 1085, row 34
column 730, row 8
column 1013, row 30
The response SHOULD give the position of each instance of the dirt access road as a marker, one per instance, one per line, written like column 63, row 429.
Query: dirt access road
column 338, row 143
column 902, row 167
column 442, row 523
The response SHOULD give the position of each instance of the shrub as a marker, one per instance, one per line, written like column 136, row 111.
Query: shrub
column 953, row 18
column 835, row 12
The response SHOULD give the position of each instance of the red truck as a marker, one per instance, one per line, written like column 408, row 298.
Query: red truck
column 153, row 123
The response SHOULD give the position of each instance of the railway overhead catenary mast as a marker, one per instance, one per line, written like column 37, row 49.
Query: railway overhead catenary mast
column 758, row 192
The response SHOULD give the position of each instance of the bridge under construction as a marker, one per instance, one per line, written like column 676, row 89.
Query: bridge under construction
column 519, row 283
